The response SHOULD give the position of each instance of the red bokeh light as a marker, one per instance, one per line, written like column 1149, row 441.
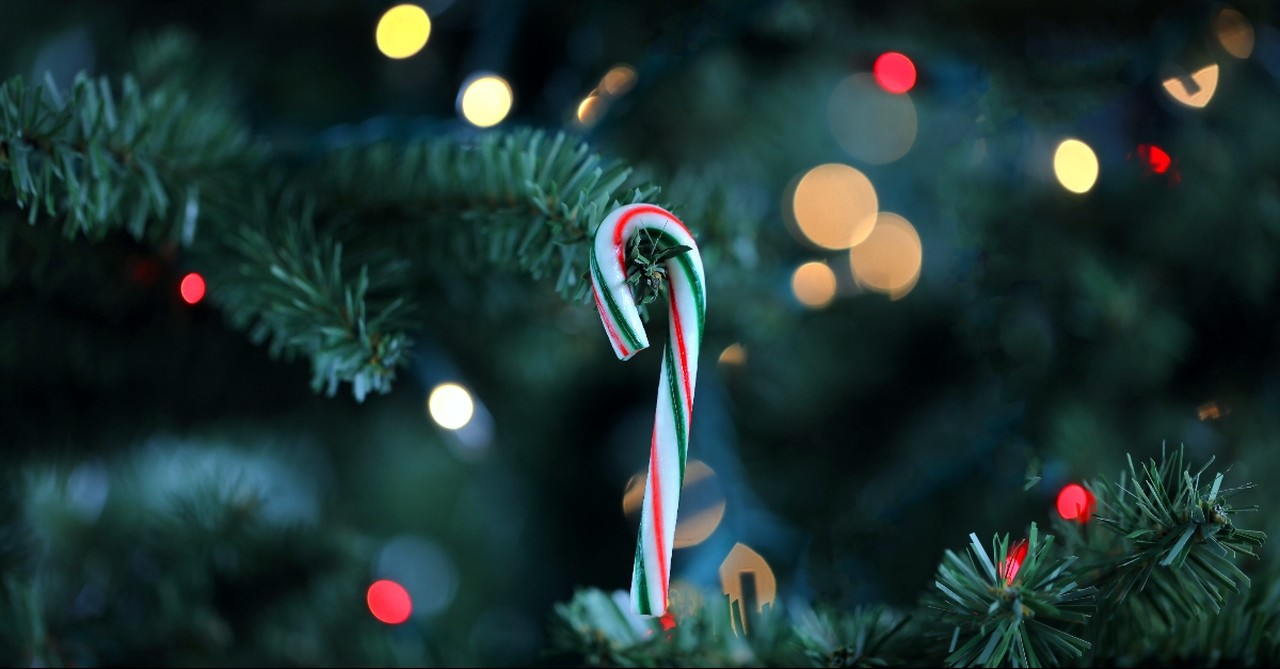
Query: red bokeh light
column 389, row 602
column 192, row 288
column 895, row 72
column 1013, row 561
column 668, row 621
column 1075, row 502
column 1156, row 159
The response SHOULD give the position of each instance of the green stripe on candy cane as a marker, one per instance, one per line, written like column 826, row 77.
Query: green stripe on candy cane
column 669, row 446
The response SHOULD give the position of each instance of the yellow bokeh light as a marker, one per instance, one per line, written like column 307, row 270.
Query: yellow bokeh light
column 733, row 355
column 702, row 503
column 486, row 100
column 889, row 260
column 1075, row 165
column 835, row 206
column 590, row 109
column 746, row 578
column 1235, row 33
column 618, row 80
column 1196, row 90
column 814, row 284
column 450, row 406
column 402, row 31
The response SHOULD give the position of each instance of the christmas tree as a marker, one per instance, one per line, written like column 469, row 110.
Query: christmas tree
column 302, row 358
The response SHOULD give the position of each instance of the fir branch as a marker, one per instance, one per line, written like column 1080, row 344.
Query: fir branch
column 1011, row 617
column 298, row 288
column 524, row 199
column 100, row 159
column 865, row 637
column 1179, row 537
column 599, row 629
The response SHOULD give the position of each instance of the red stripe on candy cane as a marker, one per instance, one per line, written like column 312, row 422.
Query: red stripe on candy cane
column 684, row 359
column 656, row 496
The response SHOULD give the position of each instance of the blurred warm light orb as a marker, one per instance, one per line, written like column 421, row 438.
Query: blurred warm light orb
column 1235, row 33
column 1196, row 90
column 749, row 582
column 814, row 284
column 192, row 288
column 895, row 72
column 486, row 100
column 618, row 80
column 869, row 123
column 702, row 503
column 1075, row 502
column 733, row 355
column 1075, row 165
column 590, row 109
column 835, row 206
column 451, row 406
column 389, row 602
column 402, row 31
column 890, row 258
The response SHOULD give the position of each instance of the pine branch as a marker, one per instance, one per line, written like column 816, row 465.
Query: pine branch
column 523, row 200
column 600, row 630
column 293, row 286
column 99, row 160
column 1020, row 616
column 865, row 637
column 1179, row 537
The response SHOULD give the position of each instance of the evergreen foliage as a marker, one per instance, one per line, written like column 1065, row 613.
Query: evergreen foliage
column 394, row 254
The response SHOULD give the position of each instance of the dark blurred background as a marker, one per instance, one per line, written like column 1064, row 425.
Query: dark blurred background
column 176, row 494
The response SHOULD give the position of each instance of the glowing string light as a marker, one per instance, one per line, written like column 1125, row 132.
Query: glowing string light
column 485, row 100
column 895, row 72
column 389, row 602
column 402, row 31
column 1075, row 502
column 1075, row 165
column 192, row 288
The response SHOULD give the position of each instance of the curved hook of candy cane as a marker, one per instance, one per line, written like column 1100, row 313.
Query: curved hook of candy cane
column 670, row 444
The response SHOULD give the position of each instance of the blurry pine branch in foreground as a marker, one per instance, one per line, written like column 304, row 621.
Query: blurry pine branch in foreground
column 1150, row 580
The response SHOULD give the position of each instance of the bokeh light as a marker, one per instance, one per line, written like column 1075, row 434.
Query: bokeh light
column 1013, row 560
column 734, row 355
column 702, row 503
column 1075, row 165
column 872, row 125
column 192, row 288
column 895, row 72
column 485, row 100
column 835, row 206
column 1075, row 502
column 402, row 31
column 1155, row 158
column 749, row 582
column 450, row 406
column 890, row 258
column 618, row 80
column 1196, row 90
column 422, row 568
column 590, row 109
column 1209, row 411
column 1234, row 31
column 814, row 284
column 389, row 602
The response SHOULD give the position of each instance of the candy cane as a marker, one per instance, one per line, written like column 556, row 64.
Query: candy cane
column 670, row 442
